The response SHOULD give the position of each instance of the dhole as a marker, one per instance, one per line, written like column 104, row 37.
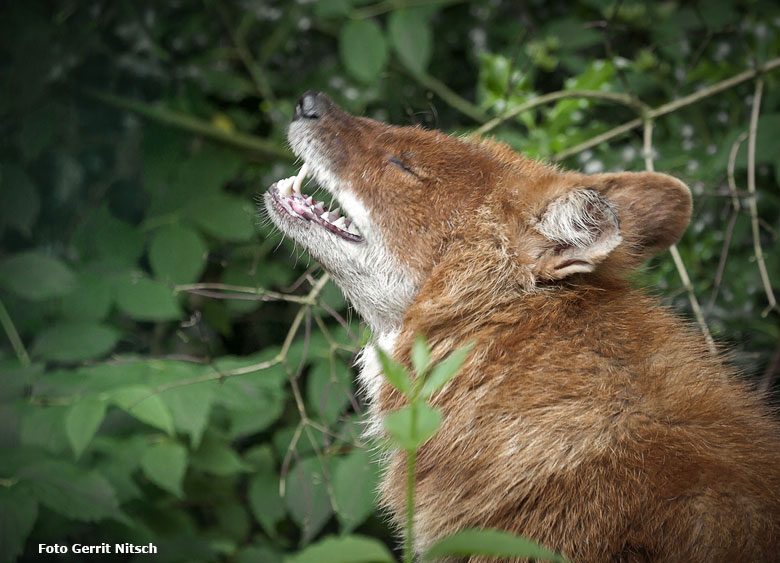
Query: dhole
column 588, row 417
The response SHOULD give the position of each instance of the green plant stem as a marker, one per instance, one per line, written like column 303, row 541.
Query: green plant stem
column 619, row 98
column 647, row 149
column 449, row 96
column 390, row 5
column 13, row 336
column 752, row 206
column 669, row 108
column 257, row 147
column 411, row 462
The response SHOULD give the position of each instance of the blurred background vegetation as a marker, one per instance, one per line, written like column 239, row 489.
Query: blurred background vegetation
column 171, row 370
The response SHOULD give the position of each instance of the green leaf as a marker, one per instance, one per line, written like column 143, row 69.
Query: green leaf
column 445, row 370
column 493, row 543
column 104, row 236
column 18, row 514
column 363, row 49
column 177, row 255
column 21, row 203
column 36, row 276
column 73, row 341
column 413, row 425
column 165, row 463
column 421, row 355
column 355, row 482
column 71, row 491
column 324, row 9
column 82, row 421
column 38, row 129
column 190, row 406
column 328, row 388
column 145, row 300
column 255, row 399
column 90, row 299
column 307, row 497
column 394, row 372
column 44, row 427
column 264, row 500
column 411, row 37
column 144, row 405
column 217, row 457
column 226, row 217
column 345, row 549
column 16, row 379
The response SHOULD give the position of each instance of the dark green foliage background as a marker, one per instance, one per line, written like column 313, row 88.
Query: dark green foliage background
column 167, row 360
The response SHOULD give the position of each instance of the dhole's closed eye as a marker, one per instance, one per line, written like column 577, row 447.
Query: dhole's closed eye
column 395, row 161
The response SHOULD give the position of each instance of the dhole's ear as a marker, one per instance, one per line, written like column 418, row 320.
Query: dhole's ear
column 580, row 229
column 654, row 210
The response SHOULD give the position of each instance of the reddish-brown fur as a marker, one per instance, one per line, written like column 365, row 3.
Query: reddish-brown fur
column 588, row 417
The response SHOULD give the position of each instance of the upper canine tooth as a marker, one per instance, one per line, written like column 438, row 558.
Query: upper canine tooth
column 341, row 224
column 310, row 200
column 285, row 186
column 300, row 177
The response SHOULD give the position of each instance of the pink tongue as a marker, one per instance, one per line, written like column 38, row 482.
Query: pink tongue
column 299, row 207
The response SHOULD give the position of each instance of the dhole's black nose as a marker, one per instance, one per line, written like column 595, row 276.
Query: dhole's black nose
column 312, row 105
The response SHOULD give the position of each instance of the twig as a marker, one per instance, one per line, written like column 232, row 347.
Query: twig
column 227, row 291
column 619, row 98
column 670, row 107
column 679, row 264
column 449, row 96
column 218, row 374
column 390, row 5
column 255, row 146
column 254, row 70
column 752, row 206
column 735, row 207
column 13, row 336
column 287, row 456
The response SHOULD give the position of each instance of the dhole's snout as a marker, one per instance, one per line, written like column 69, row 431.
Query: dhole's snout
column 312, row 105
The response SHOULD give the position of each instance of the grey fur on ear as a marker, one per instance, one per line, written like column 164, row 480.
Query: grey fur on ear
column 583, row 227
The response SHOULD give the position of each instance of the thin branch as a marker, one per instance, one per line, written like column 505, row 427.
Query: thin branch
column 679, row 264
column 288, row 456
column 254, row 70
column 228, row 291
column 669, row 108
column 619, row 98
column 13, row 336
column 448, row 95
column 390, row 5
column 260, row 148
column 735, row 207
column 752, row 205
column 278, row 359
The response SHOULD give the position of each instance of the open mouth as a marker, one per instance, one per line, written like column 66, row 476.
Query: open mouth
column 287, row 193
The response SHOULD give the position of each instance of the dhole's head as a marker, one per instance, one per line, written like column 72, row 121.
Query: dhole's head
column 418, row 204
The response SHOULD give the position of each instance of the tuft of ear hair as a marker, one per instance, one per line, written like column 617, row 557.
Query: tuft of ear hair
column 581, row 228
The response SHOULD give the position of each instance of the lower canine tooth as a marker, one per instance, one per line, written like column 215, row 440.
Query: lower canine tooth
column 341, row 224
